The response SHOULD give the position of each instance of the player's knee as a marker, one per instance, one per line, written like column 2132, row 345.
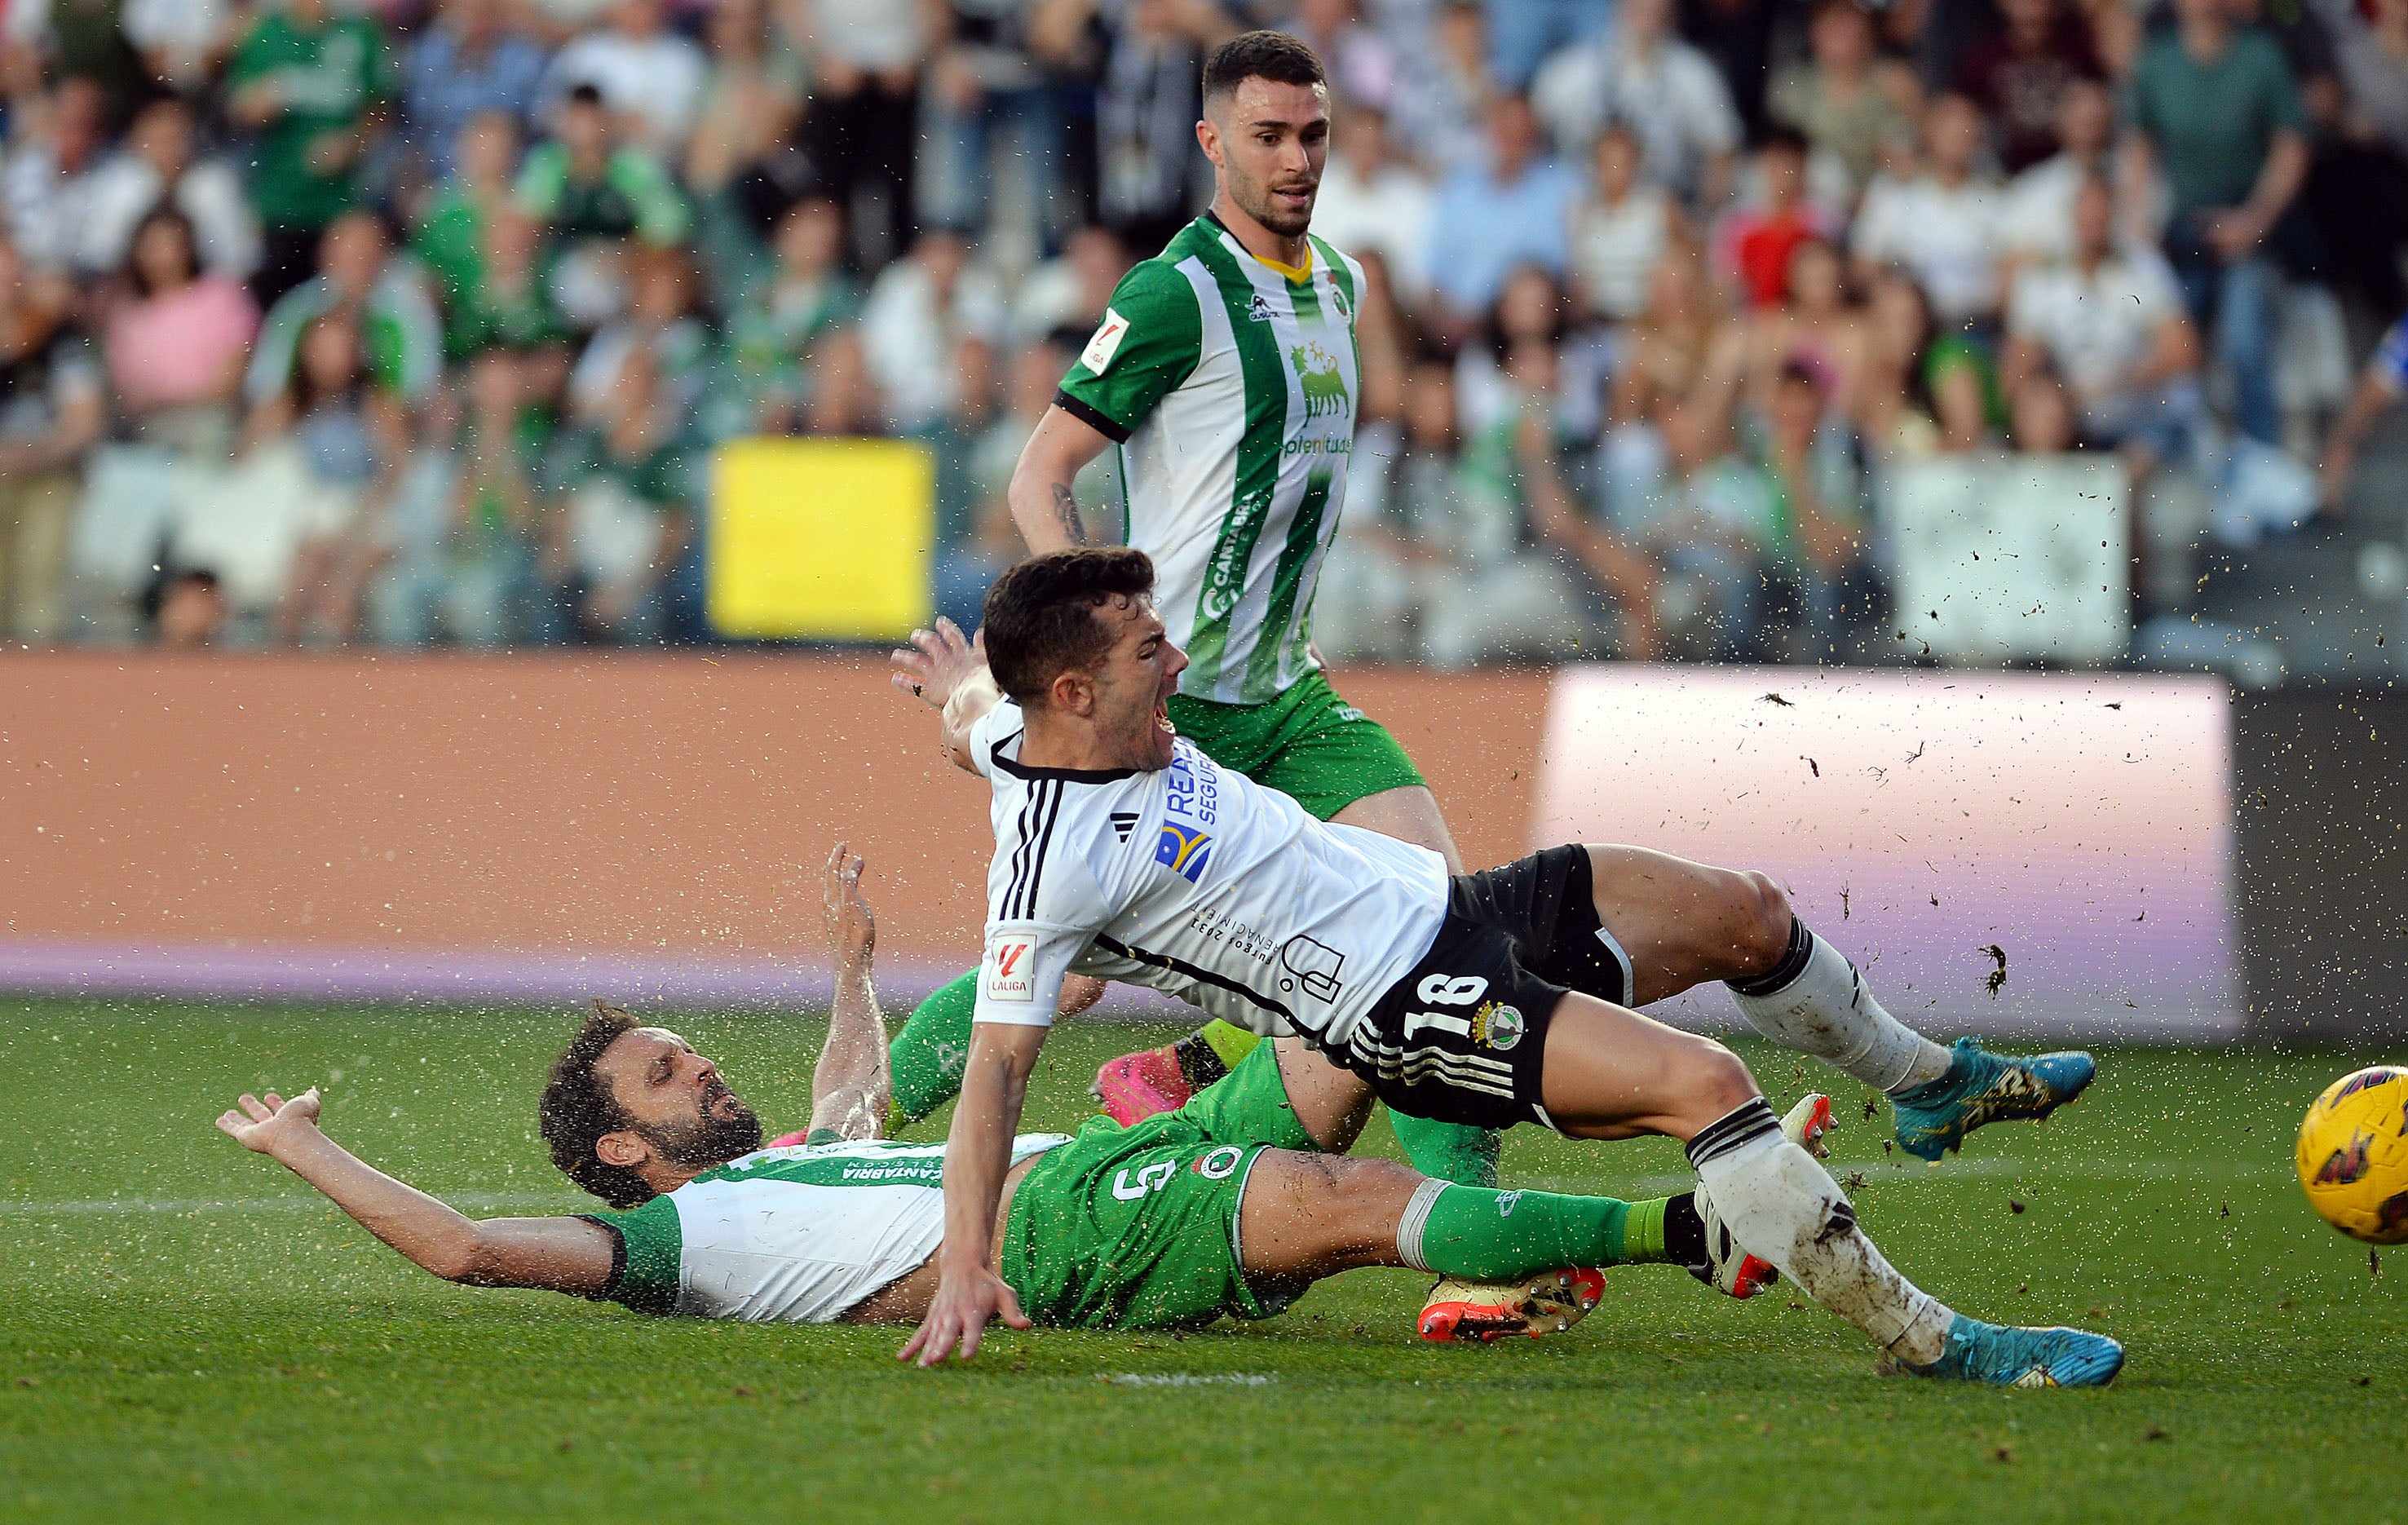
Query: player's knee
column 1717, row 1083
column 1760, row 923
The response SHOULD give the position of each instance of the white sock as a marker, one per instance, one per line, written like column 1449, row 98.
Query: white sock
column 1780, row 1204
column 1825, row 1010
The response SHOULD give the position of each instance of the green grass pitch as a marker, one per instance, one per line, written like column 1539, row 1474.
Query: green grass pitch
column 185, row 1333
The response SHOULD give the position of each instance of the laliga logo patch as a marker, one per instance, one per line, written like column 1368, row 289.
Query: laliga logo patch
column 1098, row 355
column 1218, row 1164
column 1496, row 1025
column 1185, row 851
column 1011, row 971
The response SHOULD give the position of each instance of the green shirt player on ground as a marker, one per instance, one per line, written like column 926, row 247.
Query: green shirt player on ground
column 1230, row 1206
column 1224, row 374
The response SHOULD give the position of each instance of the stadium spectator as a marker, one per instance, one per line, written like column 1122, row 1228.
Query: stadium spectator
column 157, row 163
column 774, row 334
column 52, row 408
column 1069, row 294
column 1757, row 239
column 626, row 486
column 467, row 62
column 176, row 341
column 866, row 58
column 2039, row 215
column 1442, row 101
column 387, row 312
column 1643, row 74
column 2372, row 49
column 347, row 441
column 989, row 116
column 2356, row 191
column 1151, row 175
column 495, row 541
column 1813, row 329
column 2108, row 326
column 1923, row 393
column 1524, row 34
column 1375, row 200
column 310, row 84
column 922, row 312
column 2216, row 108
column 663, row 320
column 1825, row 589
column 650, row 77
column 974, row 547
column 2020, row 77
column 1621, row 228
column 2380, row 387
column 1840, row 98
column 48, row 182
column 752, row 102
column 87, row 40
column 1513, row 209
column 1364, row 63
column 595, row 196
column 449, row 238
column 187, row 611
column 1943, row 222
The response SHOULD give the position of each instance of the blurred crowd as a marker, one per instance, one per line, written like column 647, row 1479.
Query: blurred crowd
column 329, row 321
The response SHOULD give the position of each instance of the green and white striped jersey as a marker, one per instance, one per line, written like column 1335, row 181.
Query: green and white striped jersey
column 1230, row 385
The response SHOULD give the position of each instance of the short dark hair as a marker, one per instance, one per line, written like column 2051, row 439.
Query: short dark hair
column 585, row 93
column 578, row 1107
column 1261, row 55
column 1040, row 615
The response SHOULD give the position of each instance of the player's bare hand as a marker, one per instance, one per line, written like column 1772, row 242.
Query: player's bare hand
column 937, row 661
column 852, row 931
column 965, row 1302
column 261, row 1126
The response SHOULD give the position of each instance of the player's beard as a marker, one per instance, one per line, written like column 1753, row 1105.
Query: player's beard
column 1255, row 201
column 723, row 1129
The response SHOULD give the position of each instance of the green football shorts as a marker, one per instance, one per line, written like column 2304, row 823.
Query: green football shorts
column 1308, row 743
column 1137, row 1227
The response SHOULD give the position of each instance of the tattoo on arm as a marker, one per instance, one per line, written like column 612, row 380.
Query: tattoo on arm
column 1066, row 513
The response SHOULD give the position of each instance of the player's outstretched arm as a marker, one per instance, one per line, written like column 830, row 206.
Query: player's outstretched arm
column 948, row 673
column 978, row 1155
column 558, row 1254
column 850, row 1089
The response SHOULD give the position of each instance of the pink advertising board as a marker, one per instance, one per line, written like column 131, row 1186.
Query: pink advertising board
column 2081, row 823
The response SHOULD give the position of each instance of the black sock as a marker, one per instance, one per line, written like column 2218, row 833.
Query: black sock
column 1201, row 1066
column 1793, row 963
column 1684, row 1233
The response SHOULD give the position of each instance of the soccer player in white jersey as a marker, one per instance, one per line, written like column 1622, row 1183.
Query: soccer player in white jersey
column 1123, row 852
column 1226, row 1207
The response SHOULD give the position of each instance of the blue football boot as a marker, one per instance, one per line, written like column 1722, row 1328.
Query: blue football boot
column 1984, row 1087
column 2004, row 1356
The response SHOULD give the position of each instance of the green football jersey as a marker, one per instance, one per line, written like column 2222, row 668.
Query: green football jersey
column 1230, row 387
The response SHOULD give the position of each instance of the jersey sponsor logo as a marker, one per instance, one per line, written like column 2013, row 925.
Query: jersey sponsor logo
column 1011, row 971
column 1218, row 1164
column 1497, row 1025
column 1192, row 787
column 1507, row 1202
column 1098, row 355
column 1184, row 850
column 1314, row 965
column 1259, row 309
column 1318, row 373
column 1152, row 1177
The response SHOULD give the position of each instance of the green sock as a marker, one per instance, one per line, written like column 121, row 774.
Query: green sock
column 1448, row 1151
column 1494, row 1236
column 1230, row 1044
column 927, row 1056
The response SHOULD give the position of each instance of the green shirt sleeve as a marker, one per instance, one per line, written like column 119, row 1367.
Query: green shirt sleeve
column 644, row 1272
column 661, row 215
column 1151, row 340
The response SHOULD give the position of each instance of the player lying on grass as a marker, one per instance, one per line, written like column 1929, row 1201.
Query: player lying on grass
column 1123, row 852
column 1230, row 1206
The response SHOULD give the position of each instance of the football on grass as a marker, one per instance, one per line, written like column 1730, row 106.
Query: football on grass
column 2354, row 1154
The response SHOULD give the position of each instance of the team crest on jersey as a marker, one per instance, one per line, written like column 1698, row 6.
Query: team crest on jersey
column 1496, row 1025
column 1218, row 1164
column 1338, row 300
column 1318, row 373
column 1185, row 851
column 1259, row 309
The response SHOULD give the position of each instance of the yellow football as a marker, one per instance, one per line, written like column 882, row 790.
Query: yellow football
column 2354, row 1154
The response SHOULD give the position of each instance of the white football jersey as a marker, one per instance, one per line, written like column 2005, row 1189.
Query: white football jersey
column 1196, row 881
column 797, row 1234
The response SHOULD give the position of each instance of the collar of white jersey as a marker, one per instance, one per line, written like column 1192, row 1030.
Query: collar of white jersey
column 1068, row 775
column 1299, row 275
